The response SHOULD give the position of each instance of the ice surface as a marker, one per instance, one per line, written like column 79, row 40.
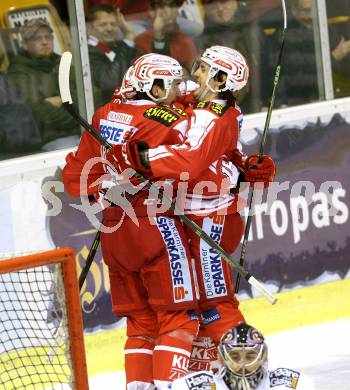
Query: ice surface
column 319, row 351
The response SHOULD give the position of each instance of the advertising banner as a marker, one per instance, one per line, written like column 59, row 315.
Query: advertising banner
column 301, row 229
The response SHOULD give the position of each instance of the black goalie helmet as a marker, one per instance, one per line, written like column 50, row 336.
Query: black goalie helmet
column 243, row 353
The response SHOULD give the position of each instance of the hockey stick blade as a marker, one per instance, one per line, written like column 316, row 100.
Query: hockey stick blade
column 63, row 77
column 191, row 224
column 258, row 286
column 63, row 81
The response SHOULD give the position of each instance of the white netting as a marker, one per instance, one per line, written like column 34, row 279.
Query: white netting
column 34, row 341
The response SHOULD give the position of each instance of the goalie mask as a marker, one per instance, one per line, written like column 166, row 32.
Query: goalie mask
column 151, row 67
column 243, row 353
column 229, row 61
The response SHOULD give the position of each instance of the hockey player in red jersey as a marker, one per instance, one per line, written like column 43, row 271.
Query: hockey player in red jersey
column 206, row 157
column 150, row 266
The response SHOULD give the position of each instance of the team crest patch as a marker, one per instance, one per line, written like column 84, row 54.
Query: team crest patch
column 284, row 376
column 162, row 114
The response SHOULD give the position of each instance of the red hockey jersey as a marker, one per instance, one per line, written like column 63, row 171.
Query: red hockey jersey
column 116, row 122
column 210, row 141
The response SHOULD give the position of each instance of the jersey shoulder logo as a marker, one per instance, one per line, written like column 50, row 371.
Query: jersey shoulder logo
column 202, row 105
column 284, row 377
column 179, row 111
column 164, row 115
column 217, row 108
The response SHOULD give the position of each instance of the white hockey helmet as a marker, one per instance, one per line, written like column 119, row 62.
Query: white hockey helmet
column 151, row 67
column 230, row 61
column 243, row 352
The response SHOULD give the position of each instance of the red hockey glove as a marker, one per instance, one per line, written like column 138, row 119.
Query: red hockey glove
column 127, row 156
column 252, row 170
column 259, row 171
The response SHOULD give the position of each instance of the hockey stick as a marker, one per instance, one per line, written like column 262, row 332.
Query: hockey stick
column 89, row 259
column 63, row 81
column 263, row 141
column 67, row 103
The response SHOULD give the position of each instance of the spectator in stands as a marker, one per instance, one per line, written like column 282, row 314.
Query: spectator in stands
column 165, row 37
column 18, row 130
column 339, row 37
column 224, row 25
column 109, row 57
column 298, row 82
column 34, row 72
column 189, row 19
column 258, row 8
column 136, row 13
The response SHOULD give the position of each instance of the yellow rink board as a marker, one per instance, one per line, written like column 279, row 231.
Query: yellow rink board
column 304, row 306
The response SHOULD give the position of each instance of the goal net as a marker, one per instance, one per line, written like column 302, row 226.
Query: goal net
column 41, row 332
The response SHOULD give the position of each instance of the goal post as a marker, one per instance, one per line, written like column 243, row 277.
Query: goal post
column 41, row 329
